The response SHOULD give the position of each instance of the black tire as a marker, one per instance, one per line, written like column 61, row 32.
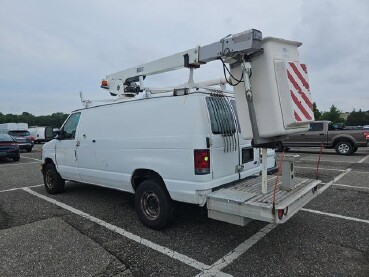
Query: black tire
column 344, row 148
column 153, row 204
column 29, row 149
column 54, row 183
column 354, row 149
column 16, row 159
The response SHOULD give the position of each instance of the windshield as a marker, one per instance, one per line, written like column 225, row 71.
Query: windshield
column 19, row 133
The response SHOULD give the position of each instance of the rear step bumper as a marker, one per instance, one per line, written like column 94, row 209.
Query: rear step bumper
column 242, row 202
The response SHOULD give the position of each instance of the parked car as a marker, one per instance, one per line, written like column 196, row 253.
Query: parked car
column 344, row 141
column 24, row 139
column 9, row 147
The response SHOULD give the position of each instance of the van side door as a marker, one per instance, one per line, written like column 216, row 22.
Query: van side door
column 66, row 149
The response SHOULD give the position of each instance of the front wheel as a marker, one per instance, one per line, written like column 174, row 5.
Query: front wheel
column 54, row 183
column 344, row 148
column 153, row 204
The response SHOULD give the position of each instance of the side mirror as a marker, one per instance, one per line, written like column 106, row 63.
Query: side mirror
column 57, row 134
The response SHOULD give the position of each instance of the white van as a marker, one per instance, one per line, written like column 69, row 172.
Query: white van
column 41, row 133
column 162, row 148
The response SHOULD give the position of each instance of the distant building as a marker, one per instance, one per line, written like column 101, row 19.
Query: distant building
column 345, row 115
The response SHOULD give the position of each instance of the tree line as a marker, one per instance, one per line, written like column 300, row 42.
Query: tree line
column 54, row 120
column 355, row 118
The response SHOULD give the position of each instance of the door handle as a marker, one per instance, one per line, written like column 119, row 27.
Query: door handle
column 78, row 143
column 93, row 141
column 302, row 135
column 321, row 134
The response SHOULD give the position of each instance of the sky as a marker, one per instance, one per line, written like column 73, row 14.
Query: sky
column 51, row 50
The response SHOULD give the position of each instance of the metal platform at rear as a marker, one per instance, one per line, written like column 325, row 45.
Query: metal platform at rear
column 244, row 201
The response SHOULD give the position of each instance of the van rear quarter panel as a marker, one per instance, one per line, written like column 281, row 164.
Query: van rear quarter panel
column 158, row 134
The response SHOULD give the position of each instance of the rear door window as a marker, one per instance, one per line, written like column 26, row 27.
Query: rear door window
column 316, row 127
column 19, row 133
column 221, row 116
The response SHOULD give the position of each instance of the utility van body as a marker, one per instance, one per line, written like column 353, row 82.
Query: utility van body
column 186, row 143
column 191, row 142
column 42, row 133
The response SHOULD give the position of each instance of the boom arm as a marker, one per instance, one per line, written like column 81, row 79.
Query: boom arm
column 231, row 48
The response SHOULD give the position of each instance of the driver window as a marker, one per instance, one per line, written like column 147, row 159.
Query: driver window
column 69, row 129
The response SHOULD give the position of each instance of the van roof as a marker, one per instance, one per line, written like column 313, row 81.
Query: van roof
column 142, row 97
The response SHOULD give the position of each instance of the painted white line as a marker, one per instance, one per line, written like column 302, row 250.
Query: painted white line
column 20, row 188
column 237, row 252
column 17, row 163
column 336, row 215
column 327, row 185
column 166, row 251
column 308, row 160
column 320, row 168
column 352, row 187
column 363, row 159
column 31, row 158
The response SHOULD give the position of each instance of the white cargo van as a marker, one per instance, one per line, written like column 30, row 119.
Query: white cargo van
column 41, row 133
column 161, row 148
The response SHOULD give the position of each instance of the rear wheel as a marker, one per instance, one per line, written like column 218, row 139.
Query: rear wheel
column 54, row 183
column 153, row 204
column 344, row 148
column 16, row 159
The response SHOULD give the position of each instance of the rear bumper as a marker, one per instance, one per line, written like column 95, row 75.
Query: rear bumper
column 10, row 154
column 26, row 145
column 362, row 144
column 244, row 201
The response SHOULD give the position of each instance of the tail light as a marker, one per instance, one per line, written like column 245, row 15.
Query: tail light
column 202, row 161
column 366, row 135
column 280, row 213
column 8, row 143
column 32, row 138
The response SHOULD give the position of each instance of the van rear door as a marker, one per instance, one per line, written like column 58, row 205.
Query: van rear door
column 249, row 157
column 224, row 148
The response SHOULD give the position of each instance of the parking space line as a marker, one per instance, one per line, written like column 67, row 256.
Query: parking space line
column 20, row 188
column 31, row 158
column 320, row 168
column 237, row 252
column 363, row 159
column 19, row 164
column 336, row 215
column 164, row 250
column 322, row 161
column 327, row 185
column 352, row 187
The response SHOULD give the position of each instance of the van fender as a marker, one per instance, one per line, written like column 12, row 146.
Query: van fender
column 141, row 174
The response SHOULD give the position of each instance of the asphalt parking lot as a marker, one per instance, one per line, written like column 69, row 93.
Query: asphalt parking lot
column 93, row 231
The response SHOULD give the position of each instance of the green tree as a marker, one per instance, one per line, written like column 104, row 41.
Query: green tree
column 55, row 120
column 358, row 118
column 334, row 115
column 317, row 113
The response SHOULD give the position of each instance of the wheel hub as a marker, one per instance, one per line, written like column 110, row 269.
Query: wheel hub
column 49, row 178
column 150, row 205
column 343, row 148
